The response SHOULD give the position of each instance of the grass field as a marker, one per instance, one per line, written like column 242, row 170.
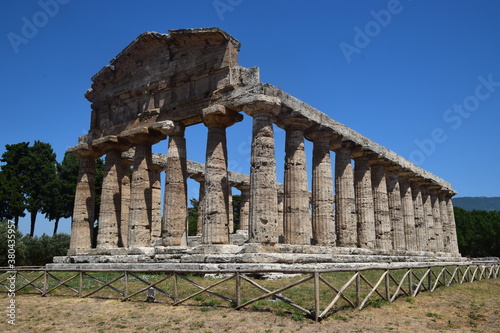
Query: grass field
column 470, row 307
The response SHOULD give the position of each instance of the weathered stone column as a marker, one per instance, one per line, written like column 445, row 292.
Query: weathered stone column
column 428, row 218
column 418, row 209
column 408, row 212
column 216, row 205
column 323, row 214
column 230, row 215
column 438, row 224
column 445, row 220
column 395, row 212
column 125, row 203
column 364, row 203
column 155, row 205
column 110, row 210
column 345, row 214
column 175, row 200
column 383, row 236
column 297, row 216
column 143, row 211
column 201, row 200
column 280, row 193
column 452, row 225
column 82, row 225
column 263, row 222
column 244, row 205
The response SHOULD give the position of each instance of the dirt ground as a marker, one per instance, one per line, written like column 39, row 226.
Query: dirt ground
column 471, row 307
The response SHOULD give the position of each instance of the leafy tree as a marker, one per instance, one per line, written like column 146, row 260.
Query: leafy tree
column 13, row 176
column 4, row 248
column 478, row 232
column 193, row 217
column 62, row 201
column 42, row 183
column 41, row 250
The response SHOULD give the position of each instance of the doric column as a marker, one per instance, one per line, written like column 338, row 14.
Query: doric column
column 280, row 194
column 155, row 203
column 143, row 210
column 452, row 225
column 428, row 218
column 175, row 198
column 297, row 220
column 323, row 214
column 383, row 235
column 244, row 205
column 436, row 213
column 418, row 209
column 395, row 212
column 263, row 222
column 230, row 208
column 125, row 202
column 408, row 212
column 83, row 212
column 364, row 203
column 216, row 206
column 201, row 200
column 110, row 209
column 345, row 214
column 445, row 221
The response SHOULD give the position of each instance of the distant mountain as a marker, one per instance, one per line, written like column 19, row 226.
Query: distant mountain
column 479, row 203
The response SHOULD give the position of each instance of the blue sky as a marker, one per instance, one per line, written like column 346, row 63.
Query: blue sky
column 420, row 77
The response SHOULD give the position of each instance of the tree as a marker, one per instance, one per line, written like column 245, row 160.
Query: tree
column 13, row 176
column 62, row 203
column 193, row 217
column 42, row 183
column 478, row 232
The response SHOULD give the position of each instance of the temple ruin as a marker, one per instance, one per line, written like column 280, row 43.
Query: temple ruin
column 384, row 208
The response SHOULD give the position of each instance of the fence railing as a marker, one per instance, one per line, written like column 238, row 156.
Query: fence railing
column 316, row 293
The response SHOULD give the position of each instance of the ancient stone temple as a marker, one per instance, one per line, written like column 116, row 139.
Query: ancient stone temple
column 372, row 204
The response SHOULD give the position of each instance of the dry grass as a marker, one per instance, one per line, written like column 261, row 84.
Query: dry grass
column 470, row 307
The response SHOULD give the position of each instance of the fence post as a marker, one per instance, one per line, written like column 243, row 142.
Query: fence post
column 238, row 289
column 316, row 296
column 176, row 292
column 358, row 288
column 80, row 284
column 387, row 291
column 45, row 281
column 410, row 282
column 125, row 291
column 429, row 279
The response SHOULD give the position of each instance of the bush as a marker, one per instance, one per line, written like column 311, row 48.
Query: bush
column 33, row 251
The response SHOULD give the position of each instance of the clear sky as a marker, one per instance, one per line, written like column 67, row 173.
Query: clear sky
column 420, row 77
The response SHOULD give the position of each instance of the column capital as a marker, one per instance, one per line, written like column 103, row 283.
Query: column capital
column 111, row 142
column 319, row 133
column 338, row 143
column 219, row 116
column 142, row 134
column 295, row 123
column 262, row 105
column 169, row 127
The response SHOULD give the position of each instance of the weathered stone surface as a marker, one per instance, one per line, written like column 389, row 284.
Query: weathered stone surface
column 452, row 225
column 323, row 215
column 438, row 225
column 395, row 212
column 216, row 205
column 383, row 236
column 420, row 225
column 429, row 219
column 83, row 213
column 110, row 209
column 345, row 215
column 263, row 220
column 297, row 221
column 408, row 213
column 364, row 204
column 244, row 206
column 175, row 202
